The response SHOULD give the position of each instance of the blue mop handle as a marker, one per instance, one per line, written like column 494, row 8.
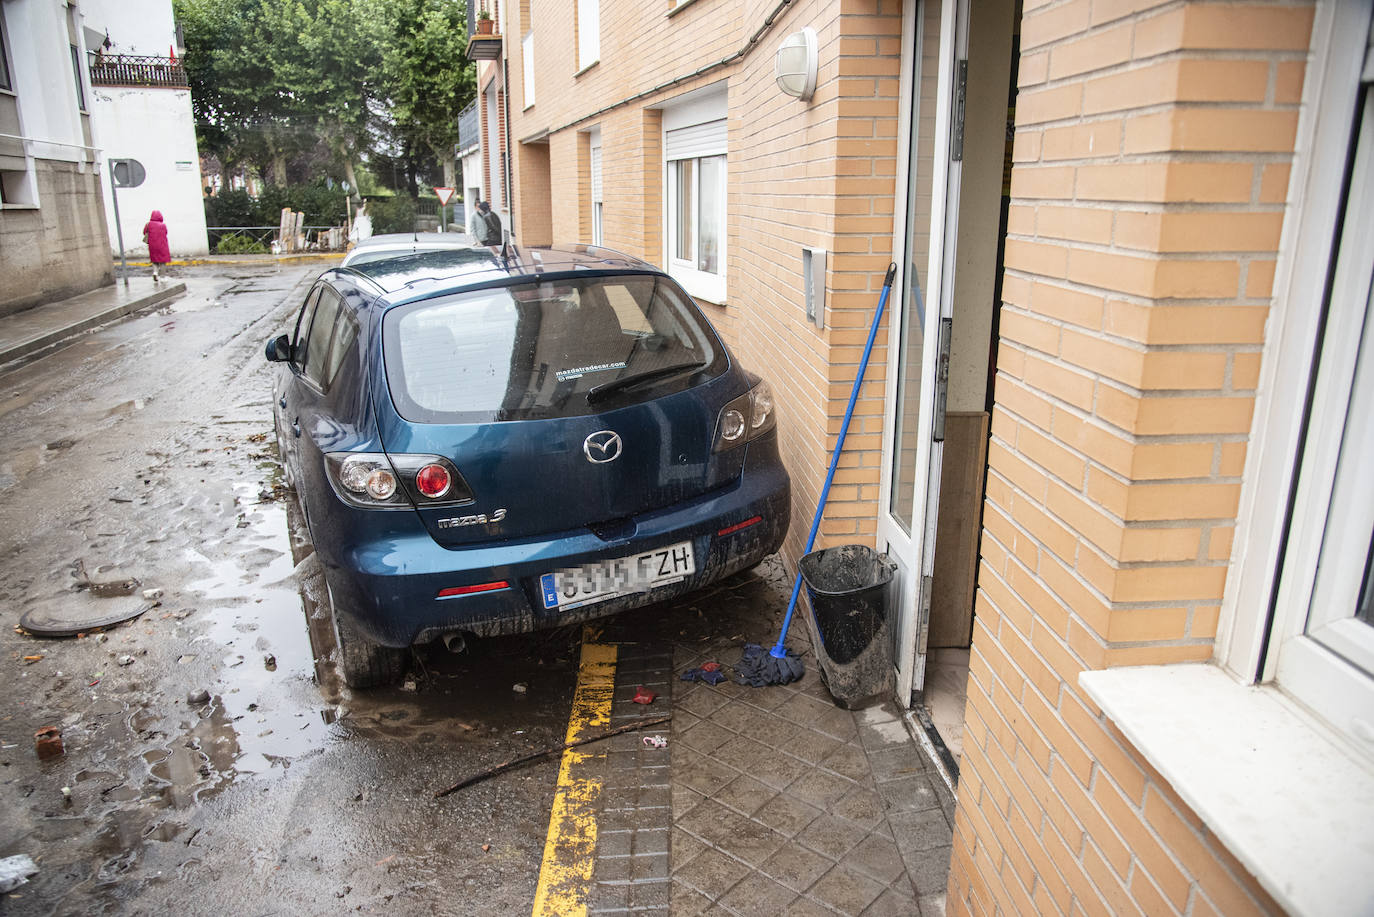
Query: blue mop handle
column 778, row 651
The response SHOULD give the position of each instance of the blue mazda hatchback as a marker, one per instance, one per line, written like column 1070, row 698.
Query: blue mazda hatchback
column 492, row 441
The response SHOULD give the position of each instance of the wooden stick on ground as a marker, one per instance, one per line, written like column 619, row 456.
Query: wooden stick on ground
column 516, row 762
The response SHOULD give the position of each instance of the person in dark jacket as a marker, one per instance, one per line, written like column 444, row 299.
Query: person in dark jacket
column 155, row 234
column 484, row 225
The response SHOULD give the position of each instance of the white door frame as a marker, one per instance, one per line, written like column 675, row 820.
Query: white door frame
column 914, row 553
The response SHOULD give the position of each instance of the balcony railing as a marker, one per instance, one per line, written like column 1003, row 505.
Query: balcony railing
column 137, row 70
column 469, row 128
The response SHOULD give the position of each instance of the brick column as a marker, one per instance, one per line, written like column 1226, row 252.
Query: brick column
column 1152, row 153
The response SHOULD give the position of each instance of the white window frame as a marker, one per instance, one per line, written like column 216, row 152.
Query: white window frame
column 1319, row 653
column 700, row 113
column 598, row 226
column 527, row 62
column 588, row 33
column 1253, row 644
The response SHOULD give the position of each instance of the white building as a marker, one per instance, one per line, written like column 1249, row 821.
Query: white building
column 141, row 109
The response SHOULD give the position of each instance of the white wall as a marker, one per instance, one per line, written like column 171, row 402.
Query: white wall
column 42, row 68
column 135, row 26
column 153, row 125
column 156, row 127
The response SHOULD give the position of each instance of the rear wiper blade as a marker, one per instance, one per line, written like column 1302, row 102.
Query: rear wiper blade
column 649, row 375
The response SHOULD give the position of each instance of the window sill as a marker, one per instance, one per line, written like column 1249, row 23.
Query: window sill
column 1276, row 789
column 701, row 285
column 590, row 66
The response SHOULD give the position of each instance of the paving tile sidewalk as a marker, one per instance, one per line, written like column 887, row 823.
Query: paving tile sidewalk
column 779, row 802
column 27, row 332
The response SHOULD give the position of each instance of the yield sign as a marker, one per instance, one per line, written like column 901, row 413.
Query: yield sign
column 445, row 194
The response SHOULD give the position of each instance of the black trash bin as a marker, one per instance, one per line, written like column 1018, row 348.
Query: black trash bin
column 847, row 587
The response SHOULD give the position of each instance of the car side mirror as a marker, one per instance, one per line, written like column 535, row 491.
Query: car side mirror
column 279, row 349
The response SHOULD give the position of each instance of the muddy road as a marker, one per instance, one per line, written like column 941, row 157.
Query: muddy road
column 210, row 765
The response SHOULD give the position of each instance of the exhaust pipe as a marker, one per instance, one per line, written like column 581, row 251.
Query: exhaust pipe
column 455, row 643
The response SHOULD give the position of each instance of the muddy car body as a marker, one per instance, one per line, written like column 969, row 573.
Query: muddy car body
column 488, row 441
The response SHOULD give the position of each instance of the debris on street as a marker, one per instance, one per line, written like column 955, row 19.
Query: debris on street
column 708, row 672
column 15, row 871
column 643, row 695
column 47, row 742
column 535, row 756
column 656, row 741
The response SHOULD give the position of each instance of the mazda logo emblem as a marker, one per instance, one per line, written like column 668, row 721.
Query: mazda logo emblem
column 601, row 447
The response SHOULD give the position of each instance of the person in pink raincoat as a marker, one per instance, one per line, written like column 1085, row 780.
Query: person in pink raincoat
column 155, row 234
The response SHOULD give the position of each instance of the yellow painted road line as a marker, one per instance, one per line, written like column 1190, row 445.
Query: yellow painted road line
column 565, row 877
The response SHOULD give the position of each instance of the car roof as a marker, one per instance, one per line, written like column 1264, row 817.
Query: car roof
column 428, row 273
column 402, row 242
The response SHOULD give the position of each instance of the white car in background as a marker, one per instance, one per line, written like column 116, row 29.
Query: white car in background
column 397, row 244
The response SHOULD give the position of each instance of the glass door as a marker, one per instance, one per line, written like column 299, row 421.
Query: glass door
column 912, row 471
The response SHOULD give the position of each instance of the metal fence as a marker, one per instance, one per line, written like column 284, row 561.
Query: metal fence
column 137, row 70
column 263, row 235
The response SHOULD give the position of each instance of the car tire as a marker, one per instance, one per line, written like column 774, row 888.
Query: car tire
column 362, row 663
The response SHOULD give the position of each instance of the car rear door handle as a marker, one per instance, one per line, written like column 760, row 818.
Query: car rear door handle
column 296, row 427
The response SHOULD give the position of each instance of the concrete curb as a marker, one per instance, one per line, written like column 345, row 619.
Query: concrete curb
column 51, row 335
column 229, row 259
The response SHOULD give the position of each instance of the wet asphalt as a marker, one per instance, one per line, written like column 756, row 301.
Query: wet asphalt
column 213, row 763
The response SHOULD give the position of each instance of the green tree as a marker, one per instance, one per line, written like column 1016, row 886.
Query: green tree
column 428, row 77
column 326, row 82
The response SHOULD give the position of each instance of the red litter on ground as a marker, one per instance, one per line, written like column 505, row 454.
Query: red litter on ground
column 710, row 666
column 644, row 697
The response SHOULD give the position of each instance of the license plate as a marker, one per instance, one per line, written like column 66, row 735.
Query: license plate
column 576, row 586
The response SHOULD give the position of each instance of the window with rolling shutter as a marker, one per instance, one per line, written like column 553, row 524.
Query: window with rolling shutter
column 695, row 147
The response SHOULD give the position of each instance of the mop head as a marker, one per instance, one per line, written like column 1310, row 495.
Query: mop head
column 759, row 667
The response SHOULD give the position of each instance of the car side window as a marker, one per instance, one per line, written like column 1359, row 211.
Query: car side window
column 303, row 325
column 321, row 332
column 345, row 333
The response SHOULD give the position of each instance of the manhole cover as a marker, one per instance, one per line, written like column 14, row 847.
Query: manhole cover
column 67, row 616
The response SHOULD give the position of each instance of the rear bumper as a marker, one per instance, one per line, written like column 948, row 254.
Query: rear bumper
column 389, row 584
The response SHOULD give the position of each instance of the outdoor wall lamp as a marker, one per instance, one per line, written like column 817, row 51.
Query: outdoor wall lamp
column 796, row 64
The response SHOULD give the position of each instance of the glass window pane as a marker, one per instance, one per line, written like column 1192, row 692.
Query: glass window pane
column 712, row 213
column 321, row 330
column 685, row 224
column 533, row 351
column 76, row 72
column 4, row 57
column 912, row 333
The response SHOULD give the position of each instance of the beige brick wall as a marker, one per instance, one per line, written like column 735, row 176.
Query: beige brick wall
column 1151, row 159
column 819, row 174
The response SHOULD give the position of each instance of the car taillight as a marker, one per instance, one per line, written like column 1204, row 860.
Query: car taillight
column 433, row 480
column 749, row 416
column 376, row 480
column 364, row 478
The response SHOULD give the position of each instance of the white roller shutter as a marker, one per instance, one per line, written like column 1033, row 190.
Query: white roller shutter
column 706, row 139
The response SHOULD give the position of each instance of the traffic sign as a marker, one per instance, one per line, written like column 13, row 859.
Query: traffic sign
column 445, row 194
column 127, row 173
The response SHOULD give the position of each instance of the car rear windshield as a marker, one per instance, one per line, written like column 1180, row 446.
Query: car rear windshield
column 560, row 348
